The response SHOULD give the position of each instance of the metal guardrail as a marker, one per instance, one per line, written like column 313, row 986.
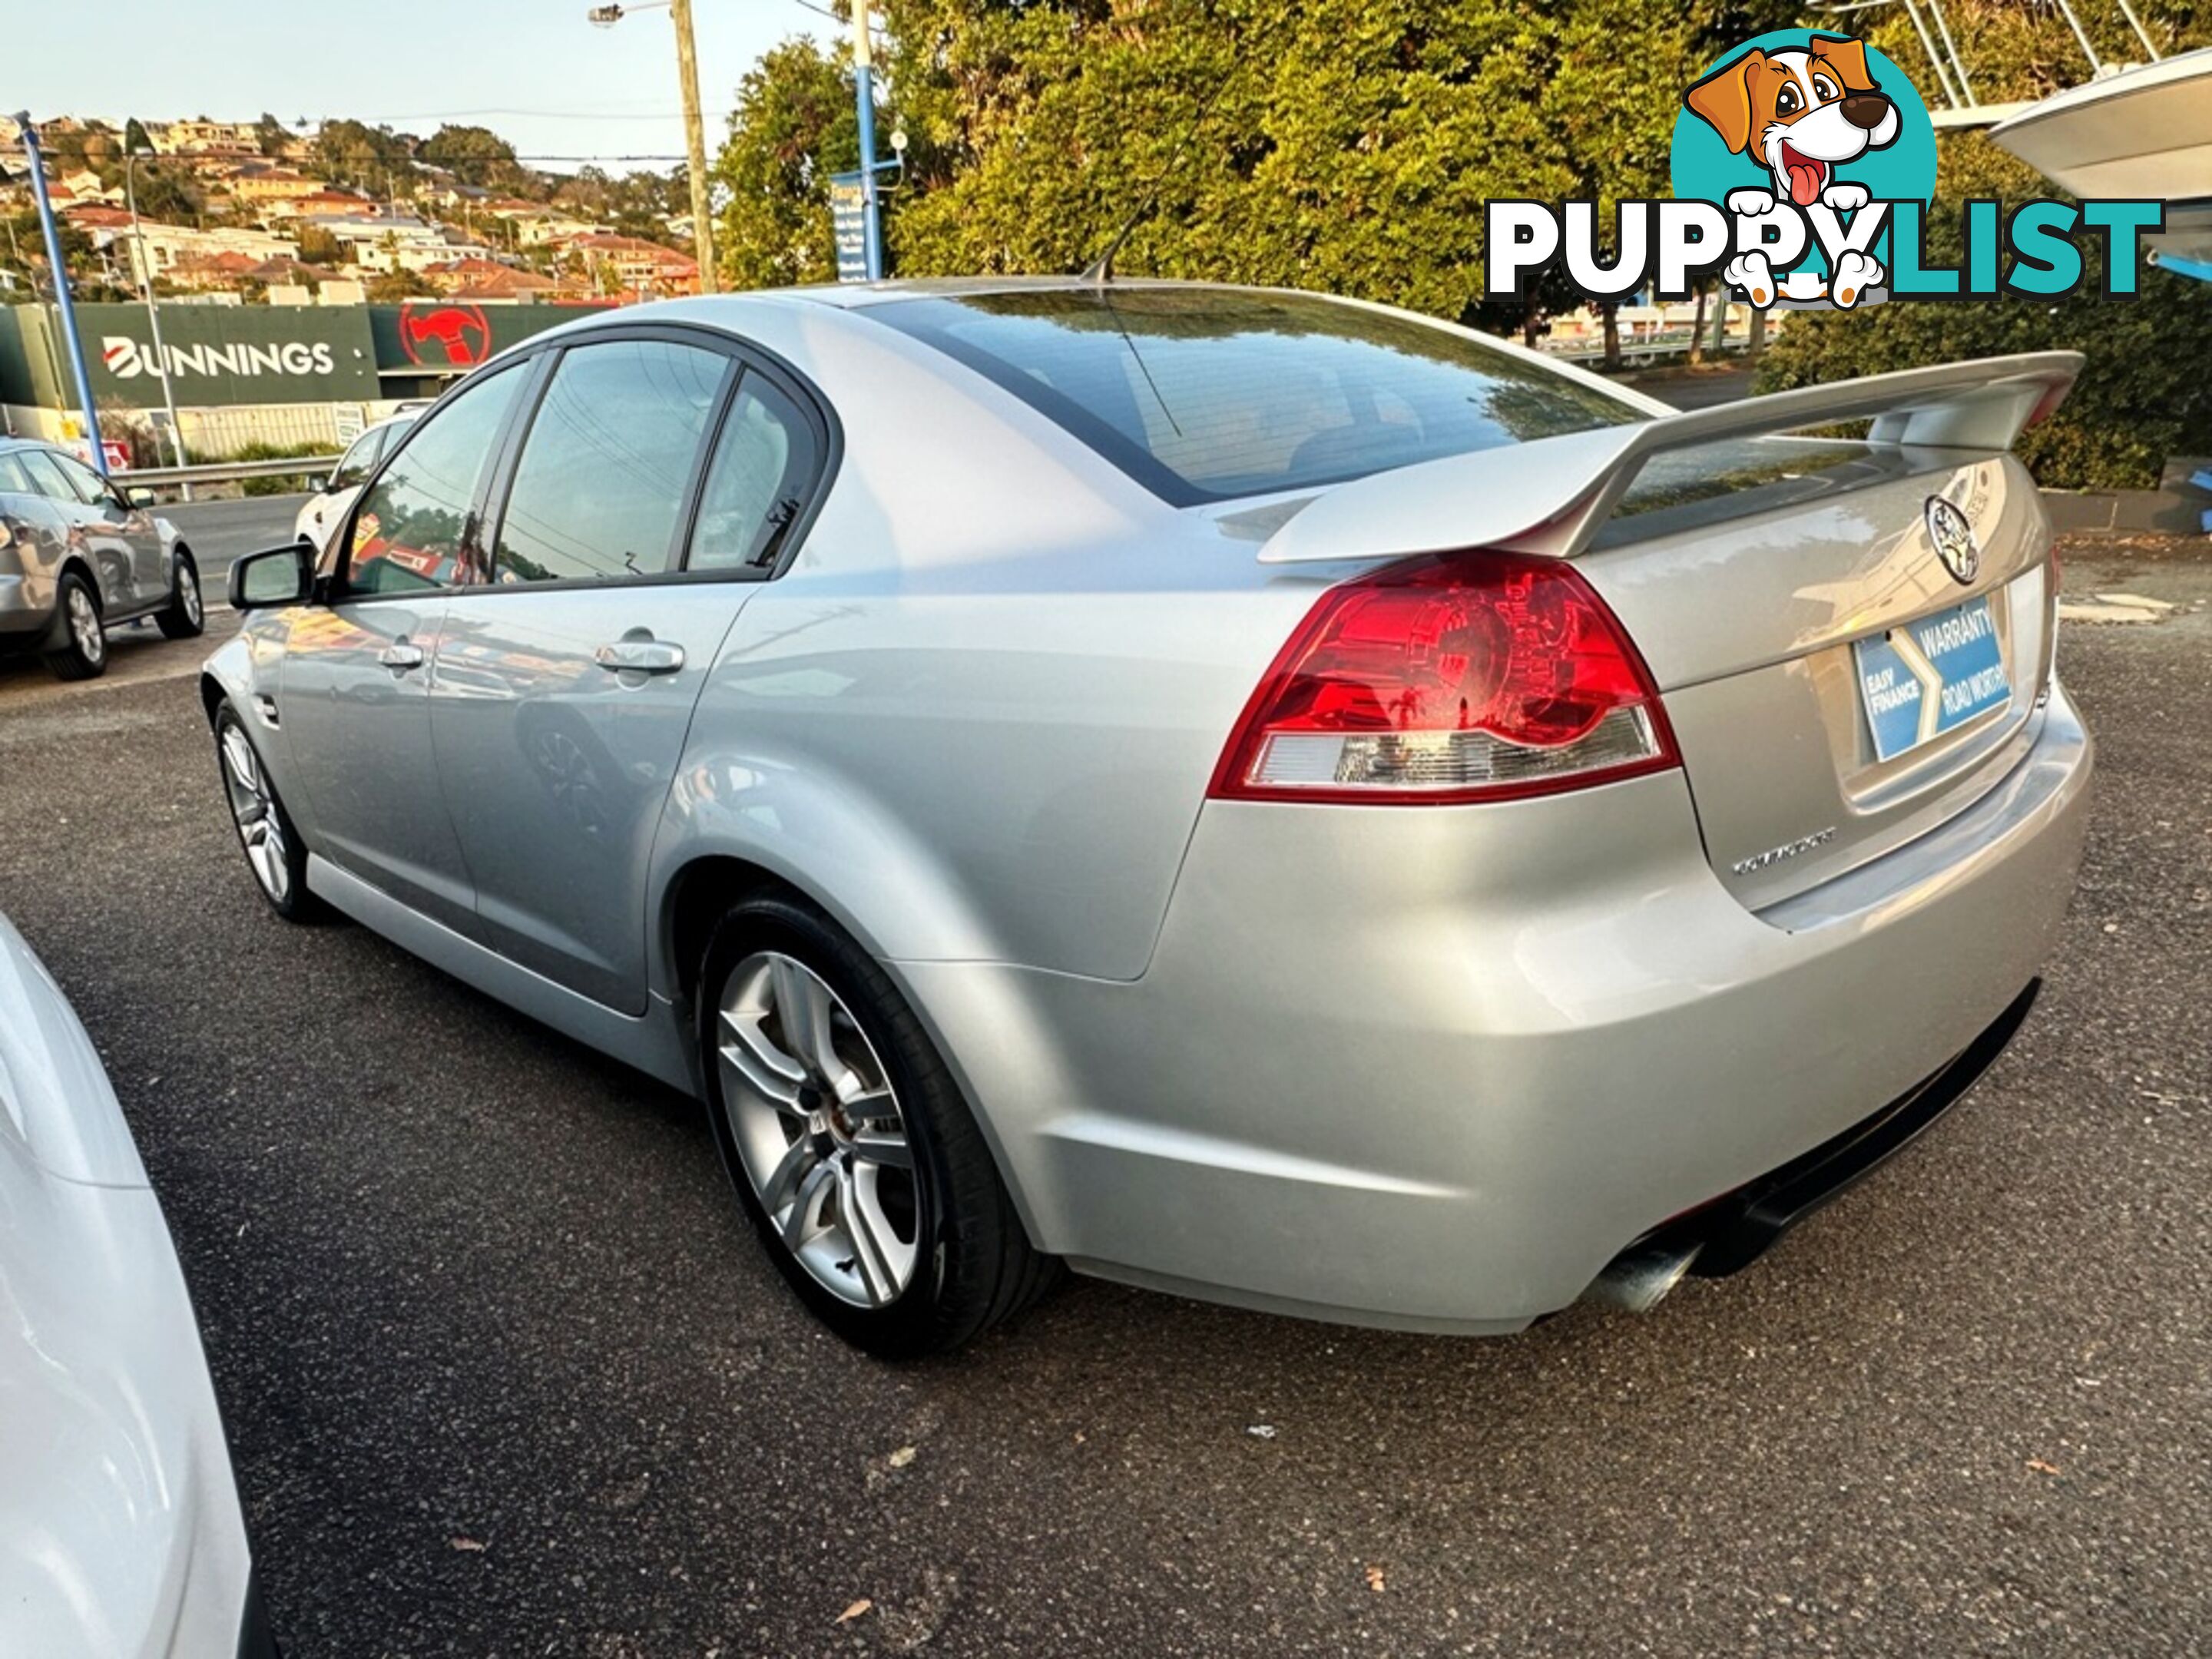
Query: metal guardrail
column 227, row 471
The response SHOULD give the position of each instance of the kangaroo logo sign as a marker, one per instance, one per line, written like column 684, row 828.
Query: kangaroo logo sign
column 1803, row 163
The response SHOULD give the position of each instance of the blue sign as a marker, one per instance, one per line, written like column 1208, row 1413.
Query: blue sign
column 1928, row 677
column 848, row 225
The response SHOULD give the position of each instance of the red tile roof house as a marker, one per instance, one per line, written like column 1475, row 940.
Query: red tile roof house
column 637, row 264
column 206, row 271
column 486, row 279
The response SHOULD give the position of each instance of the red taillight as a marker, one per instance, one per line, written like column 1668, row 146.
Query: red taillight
column 1459, row 677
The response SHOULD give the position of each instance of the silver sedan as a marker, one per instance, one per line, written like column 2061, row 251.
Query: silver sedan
column 79, row 554
column 1273, row 798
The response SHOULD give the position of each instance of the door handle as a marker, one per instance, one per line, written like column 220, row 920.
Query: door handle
column 401, row 655
column 641, row 657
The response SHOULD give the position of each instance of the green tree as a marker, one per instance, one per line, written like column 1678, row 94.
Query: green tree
column 390, row 288
column 351, row 154
column 474, row 155
column 794, row 125
column 136, row 139
column 2143, row 393
column 318, row 247
column 1349, row 145
column 270, row 135
column 168, row 192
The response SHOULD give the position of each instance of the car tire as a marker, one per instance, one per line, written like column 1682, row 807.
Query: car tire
column 968, row 1263
column 274, row 851
column 82, row 653
column 184, row 618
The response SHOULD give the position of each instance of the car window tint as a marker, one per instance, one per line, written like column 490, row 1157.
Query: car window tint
column 14, row 480
column 48, row 478
column 756, row 485
column 358, row 462
column 603, row 472
column 1206, row 394
column 409, row 531
column 82, row 479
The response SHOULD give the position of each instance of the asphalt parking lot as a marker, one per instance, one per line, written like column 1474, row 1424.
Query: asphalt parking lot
column 506, row 1372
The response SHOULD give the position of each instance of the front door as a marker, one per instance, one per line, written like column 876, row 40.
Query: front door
column 353, row 702
column 57, row 478
column 128, row 533
column 565, row 686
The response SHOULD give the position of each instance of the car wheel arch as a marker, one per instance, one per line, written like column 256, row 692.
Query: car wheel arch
column 705, row 889
column 75, row 561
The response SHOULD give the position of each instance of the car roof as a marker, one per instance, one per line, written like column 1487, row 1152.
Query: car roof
column 849, row 296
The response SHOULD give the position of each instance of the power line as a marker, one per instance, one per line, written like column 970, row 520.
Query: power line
column 533, row 114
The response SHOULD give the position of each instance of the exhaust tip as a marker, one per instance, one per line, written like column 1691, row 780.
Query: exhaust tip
column 1640, row 1278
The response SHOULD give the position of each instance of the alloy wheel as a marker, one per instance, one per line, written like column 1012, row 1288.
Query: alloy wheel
column 188, row 593
column 84, row 626
column 253, row 806
column 818, row 1128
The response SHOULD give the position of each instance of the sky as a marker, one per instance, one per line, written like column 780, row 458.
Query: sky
column 533, row 71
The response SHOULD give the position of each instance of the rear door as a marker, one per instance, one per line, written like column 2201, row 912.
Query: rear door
column 353, row 700
column 643, row 501
column 83, row 532
column 127, row 533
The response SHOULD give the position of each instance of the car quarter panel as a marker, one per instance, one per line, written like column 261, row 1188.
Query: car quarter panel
column 1435, row 1068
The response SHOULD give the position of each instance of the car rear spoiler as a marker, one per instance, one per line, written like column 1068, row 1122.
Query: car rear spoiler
column 1551, row 495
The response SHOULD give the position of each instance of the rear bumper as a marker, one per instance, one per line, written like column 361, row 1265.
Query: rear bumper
column 1734, row 1230
column 27, row 609
column 1435, row 1068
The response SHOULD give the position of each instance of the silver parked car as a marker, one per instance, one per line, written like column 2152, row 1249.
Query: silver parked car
column 1269, row 798
column 77, row 554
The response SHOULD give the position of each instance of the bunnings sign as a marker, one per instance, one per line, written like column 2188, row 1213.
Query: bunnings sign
column 215, row 354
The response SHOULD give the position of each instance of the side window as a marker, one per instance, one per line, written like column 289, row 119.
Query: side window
column 358, row 462
column 764, row 463
column 51, row 479
column 606, row 464
column 14, row 480
column 412, row 529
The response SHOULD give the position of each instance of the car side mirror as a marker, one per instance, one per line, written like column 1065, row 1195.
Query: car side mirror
column 276, row 577
column 137, row 495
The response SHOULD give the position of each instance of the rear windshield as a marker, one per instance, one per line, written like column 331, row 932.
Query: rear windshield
column 1207, row 394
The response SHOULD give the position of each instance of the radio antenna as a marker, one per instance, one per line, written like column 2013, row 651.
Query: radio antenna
column 1100, row 271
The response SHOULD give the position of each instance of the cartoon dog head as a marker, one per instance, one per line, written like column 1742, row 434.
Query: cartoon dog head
column 1803, row 113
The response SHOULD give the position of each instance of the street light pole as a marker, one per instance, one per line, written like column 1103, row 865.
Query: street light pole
column 695, row 135
column 863, row 92
column 62, row 305
column 153, row 313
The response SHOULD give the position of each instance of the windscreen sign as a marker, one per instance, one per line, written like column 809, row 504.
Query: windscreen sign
column 1802, row 166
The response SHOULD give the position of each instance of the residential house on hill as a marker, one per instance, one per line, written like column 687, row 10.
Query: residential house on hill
column 632, row 263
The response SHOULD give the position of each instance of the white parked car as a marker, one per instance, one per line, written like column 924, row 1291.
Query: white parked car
column 330, row 505
column 120, row 1530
